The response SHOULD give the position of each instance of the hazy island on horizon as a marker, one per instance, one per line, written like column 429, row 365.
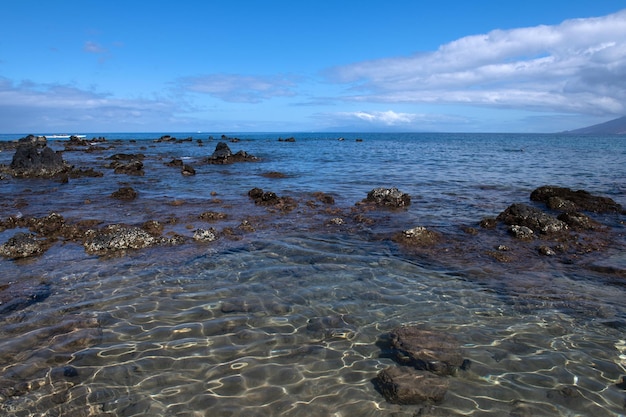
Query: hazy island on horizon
column 612, row 127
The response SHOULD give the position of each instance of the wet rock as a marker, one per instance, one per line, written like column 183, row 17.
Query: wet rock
column 387, row 197
column 565, row 199
column 212, row 216
column 223, row 155
column 274, row 174
column 417, row 236
column 324, row 198
column 125, row 194
column 579, row 221
column 546, row 250
column 154, row 227
column 531, row 217
column 48, row 226
column 489, row 223
column 401, row 385
column 23, row 245
column 129, row 164
column 118, row 237
column 34, row 159
column 84, row 172
column 521, row 232
column 426, row 350
column 268, row 198
column 128, row 168
column 188, row 170
column 176, row 163
column 205, row 235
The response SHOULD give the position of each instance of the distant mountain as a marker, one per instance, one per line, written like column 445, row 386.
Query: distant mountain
column 612, row 127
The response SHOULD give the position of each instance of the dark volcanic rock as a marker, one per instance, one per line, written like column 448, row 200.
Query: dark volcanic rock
column 223, row 155
column 401, row 385
column 175, row 163
column 268, row 198
column 426, row 350
column 565, row 199
column 118, row 237
column 125, row 194
column 531, row 217
column 22, row 245
column 188, row 170
column 49, row 226
column 128, row 164
column 417, row 236
column 34, row 159
column 579, row 221
column 521, row 232
column 388, row 197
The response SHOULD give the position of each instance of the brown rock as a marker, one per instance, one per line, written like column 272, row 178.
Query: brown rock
column 125, row 194
column 401, row 385
column 427, row 350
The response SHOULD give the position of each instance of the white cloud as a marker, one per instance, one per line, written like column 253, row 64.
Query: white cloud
column 577, row 66
column 51, row 107
column 241, row 88
column 388, row 117
column 387, row 120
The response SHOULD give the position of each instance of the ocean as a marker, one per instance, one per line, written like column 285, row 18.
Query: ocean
column 285, row 317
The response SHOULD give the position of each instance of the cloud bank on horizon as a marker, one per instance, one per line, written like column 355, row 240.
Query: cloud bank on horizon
column 562, row 73
column 578, row 66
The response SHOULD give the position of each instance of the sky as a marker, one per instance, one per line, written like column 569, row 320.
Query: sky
column 71, row 66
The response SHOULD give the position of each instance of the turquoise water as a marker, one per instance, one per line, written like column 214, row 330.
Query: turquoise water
column 283, row 321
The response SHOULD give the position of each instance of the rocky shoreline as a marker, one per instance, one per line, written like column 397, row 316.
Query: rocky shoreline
column 558, row 222
column 556, row 225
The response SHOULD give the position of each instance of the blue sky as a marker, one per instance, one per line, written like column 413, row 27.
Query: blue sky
column 287, row 66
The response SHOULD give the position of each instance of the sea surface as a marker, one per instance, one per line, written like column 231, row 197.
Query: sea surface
column 286, row 320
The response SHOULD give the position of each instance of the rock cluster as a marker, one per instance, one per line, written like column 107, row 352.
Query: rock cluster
column 34, row 159
column 223, row 155
column 567, row 200
column 387, row 197
column 129, row 164
column 270, row 199
column 425, row 361
column 118, row 237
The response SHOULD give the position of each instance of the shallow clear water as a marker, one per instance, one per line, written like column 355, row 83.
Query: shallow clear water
column 285, row 320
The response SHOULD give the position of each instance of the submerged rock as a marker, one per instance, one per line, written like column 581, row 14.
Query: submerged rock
column 125, row 194
column 19, row 296
column 401, row 385
column 426, row 350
